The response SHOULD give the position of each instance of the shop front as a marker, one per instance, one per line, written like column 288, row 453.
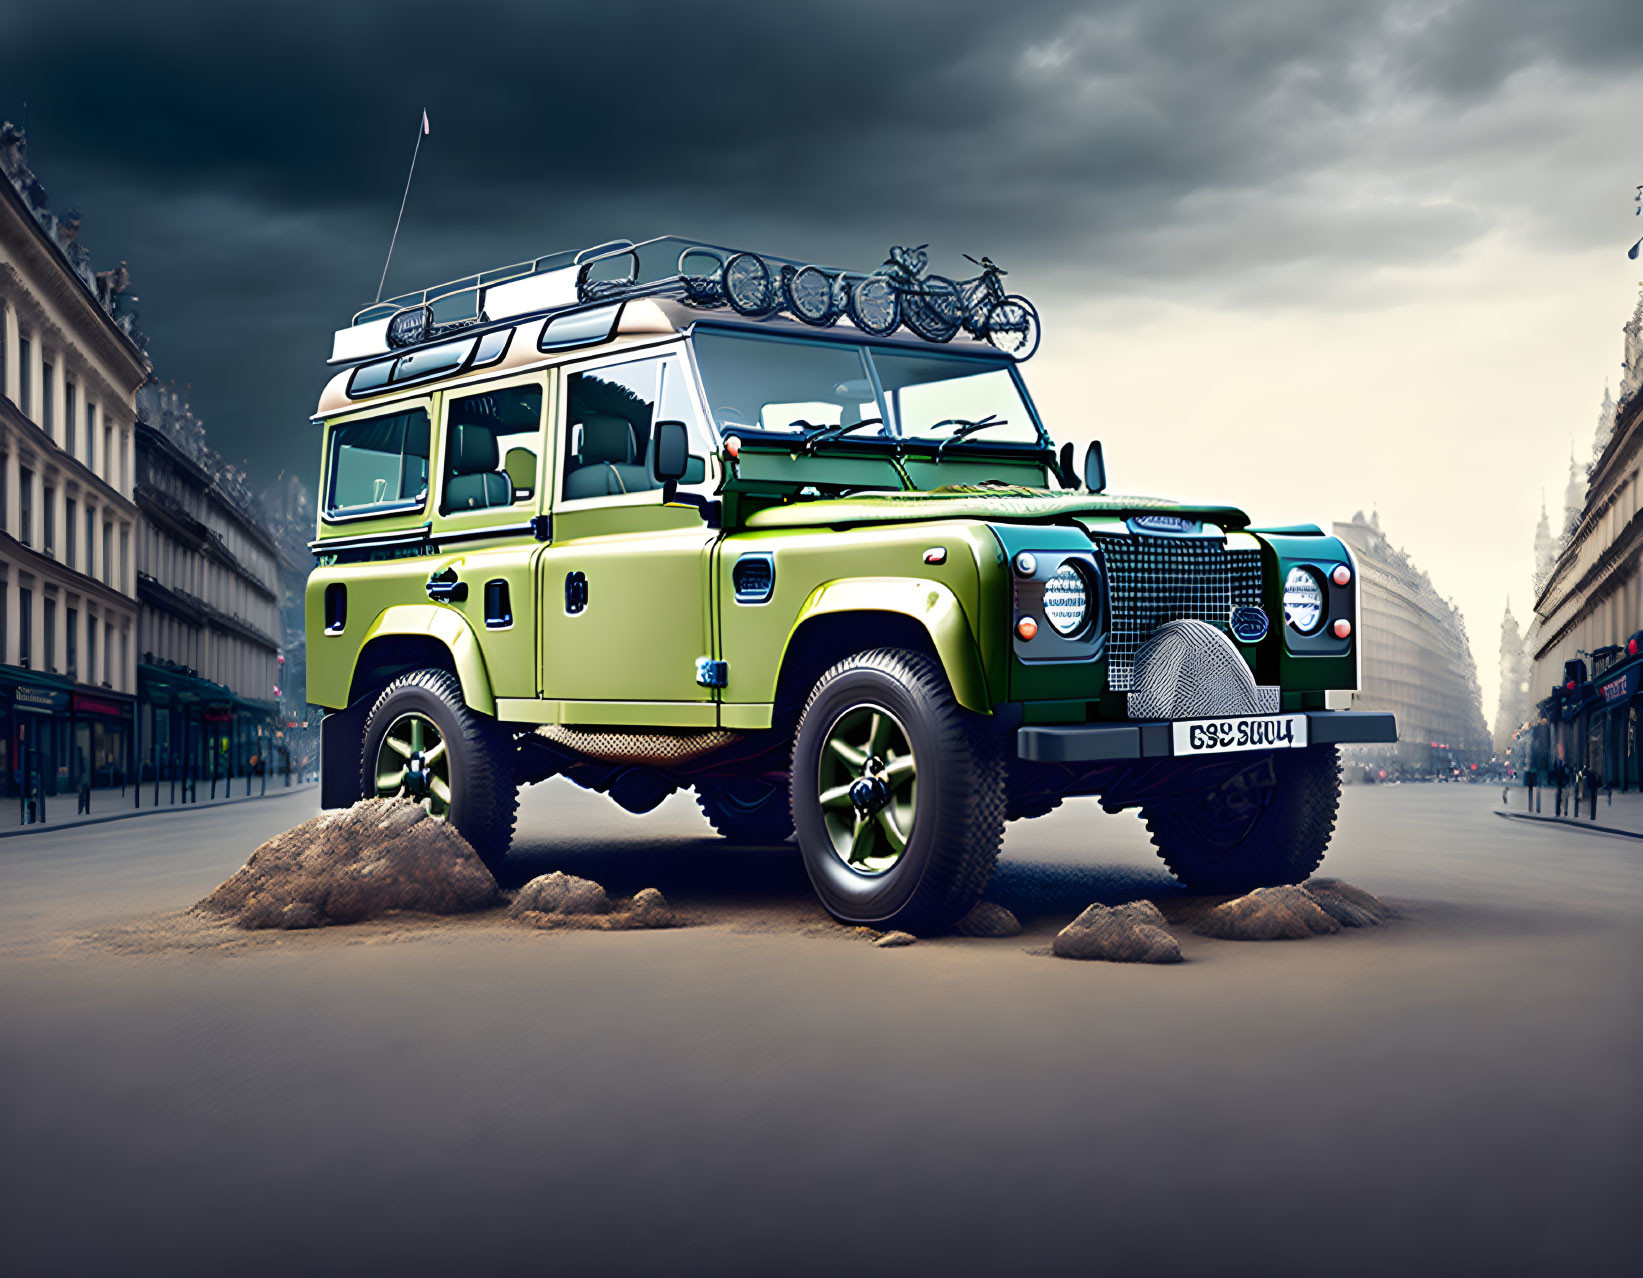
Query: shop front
column 54, row 737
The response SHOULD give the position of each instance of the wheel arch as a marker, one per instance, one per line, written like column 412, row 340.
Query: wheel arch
column 416, row 637
column 852, row 615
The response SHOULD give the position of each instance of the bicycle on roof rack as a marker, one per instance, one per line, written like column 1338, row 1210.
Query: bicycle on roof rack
column 900, row 292
column 1007, row 320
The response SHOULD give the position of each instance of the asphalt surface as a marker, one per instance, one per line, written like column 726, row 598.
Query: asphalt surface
column 1456, row 1093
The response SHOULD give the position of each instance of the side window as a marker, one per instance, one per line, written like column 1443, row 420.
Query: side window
column 610, row 413
column 379, row 464
column 493, row 447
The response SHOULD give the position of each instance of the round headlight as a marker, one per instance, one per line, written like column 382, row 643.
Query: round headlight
column 1303, row 600
column 1067, row 599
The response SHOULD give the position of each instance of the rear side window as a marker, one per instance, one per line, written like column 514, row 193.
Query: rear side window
column 379, row 464
column 492, row 447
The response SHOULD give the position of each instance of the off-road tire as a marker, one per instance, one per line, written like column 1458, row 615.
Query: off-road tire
column 747, row 811
column 958, row 819
column 484, row 792
column 1282, row 843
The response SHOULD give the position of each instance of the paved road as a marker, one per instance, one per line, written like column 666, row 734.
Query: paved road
column 1455, row 1094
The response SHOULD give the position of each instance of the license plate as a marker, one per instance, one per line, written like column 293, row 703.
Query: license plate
column 1223, row 736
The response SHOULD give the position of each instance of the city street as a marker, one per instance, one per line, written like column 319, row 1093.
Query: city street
column 759, row 1092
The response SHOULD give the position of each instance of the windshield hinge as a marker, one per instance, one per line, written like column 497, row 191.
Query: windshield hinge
column 542, row 527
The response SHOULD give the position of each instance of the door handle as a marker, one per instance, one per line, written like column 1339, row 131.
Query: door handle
column 443, row 587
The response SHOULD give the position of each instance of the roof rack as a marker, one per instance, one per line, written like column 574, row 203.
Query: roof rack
column 692, row 271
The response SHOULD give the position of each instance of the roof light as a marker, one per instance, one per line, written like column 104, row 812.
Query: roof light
column 1026, row 565
column 1342, row 628
column 1026, row 627
column 1342, row 575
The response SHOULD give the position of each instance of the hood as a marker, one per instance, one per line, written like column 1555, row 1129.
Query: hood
column 1008, row 504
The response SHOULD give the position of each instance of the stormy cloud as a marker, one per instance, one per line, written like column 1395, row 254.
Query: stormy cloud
column 248, row 160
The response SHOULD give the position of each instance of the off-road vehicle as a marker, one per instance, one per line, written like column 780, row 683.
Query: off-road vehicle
column 579, row 518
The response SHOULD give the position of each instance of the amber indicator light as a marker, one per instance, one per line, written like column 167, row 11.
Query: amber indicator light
column 1026, row 627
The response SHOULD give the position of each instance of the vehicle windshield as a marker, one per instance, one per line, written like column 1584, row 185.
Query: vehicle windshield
column 758, row 383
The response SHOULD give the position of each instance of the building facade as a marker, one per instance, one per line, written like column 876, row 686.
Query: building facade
column 69, row 372
column 209, row 585
column 1416, row 663
column 1516, row 702
column 1589, row 606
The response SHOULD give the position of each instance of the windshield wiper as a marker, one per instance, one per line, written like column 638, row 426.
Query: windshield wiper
column 823, row 434
column 966, row 429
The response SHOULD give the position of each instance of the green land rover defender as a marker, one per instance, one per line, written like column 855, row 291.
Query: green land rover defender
column 581, row 517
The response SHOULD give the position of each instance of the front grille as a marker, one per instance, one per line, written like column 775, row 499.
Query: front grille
column 1152, row 580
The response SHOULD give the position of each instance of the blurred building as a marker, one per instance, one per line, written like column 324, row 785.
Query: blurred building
column 1516, row 703
column 70, row 367
column 1416, row 663
column 208, row 578
column 1588, row 622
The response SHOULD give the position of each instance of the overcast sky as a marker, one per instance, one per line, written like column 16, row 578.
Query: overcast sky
column 1299, row 255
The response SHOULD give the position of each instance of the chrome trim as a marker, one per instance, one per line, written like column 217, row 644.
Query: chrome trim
column 371, row 541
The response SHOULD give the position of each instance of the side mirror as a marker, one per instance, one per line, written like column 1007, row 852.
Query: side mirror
column 1095, row 468
column 1065, row 475
column 671, row 457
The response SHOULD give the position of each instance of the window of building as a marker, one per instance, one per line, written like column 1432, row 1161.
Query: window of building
column 25, row 377
column 125, row 653
column 50, row 618
column 48, row 420
column 25, row 505
column 108, row 647
column 108, row 450
column 379, row 464
column 73, row 617
column 91, row 435
column 108, row 553
column 25, row 627
column 5, row 505
column 91, row 648
column 70, row 526
column 91, row 537
column 48, row 515
column 70, row 411
column 5, row 635
column 125, row 554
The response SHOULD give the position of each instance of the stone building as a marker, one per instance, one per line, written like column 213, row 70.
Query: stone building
column 1416, row 663
column 209, row 581
column 70, row 366
column 1589, row 604
column 1516, row 703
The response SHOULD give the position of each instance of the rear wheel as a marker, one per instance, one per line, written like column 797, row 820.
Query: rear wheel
column 422, row 742
column 747, row 810
column 1270, row 824
column 898, row 794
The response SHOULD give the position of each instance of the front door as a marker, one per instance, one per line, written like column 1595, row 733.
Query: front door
column 624, row 585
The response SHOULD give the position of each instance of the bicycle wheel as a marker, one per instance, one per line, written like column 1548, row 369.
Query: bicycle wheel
column 875, row 306
column 1011, row 324
column 810, row 295
column 703, row 285
column 748, row 286
column 932, row 308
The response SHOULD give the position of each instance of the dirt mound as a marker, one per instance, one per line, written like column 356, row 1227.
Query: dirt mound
column 381, row 856
column 1269, row 914
column 1131, row 933
column 1347, row 905
column 895, row 940
column 988, row 919
column 563, row 901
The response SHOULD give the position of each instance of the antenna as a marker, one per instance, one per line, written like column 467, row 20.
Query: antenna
column 420, row 134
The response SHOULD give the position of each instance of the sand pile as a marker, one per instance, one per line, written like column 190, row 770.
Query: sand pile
column 560, row 900
column 381, row 856
column 1317, row 908
column 1130, row 933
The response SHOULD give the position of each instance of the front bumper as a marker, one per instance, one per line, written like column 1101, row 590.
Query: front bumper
column 1098, row 742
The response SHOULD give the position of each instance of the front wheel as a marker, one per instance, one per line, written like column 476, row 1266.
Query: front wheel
column 1269, row 824
column 422, row 742
column 898, row 794
column 1011, row 324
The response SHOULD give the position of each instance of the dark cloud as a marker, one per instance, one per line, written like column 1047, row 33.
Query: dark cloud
column 248, row 159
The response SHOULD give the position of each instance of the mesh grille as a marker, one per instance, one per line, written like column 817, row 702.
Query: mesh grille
column 1154, row 580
